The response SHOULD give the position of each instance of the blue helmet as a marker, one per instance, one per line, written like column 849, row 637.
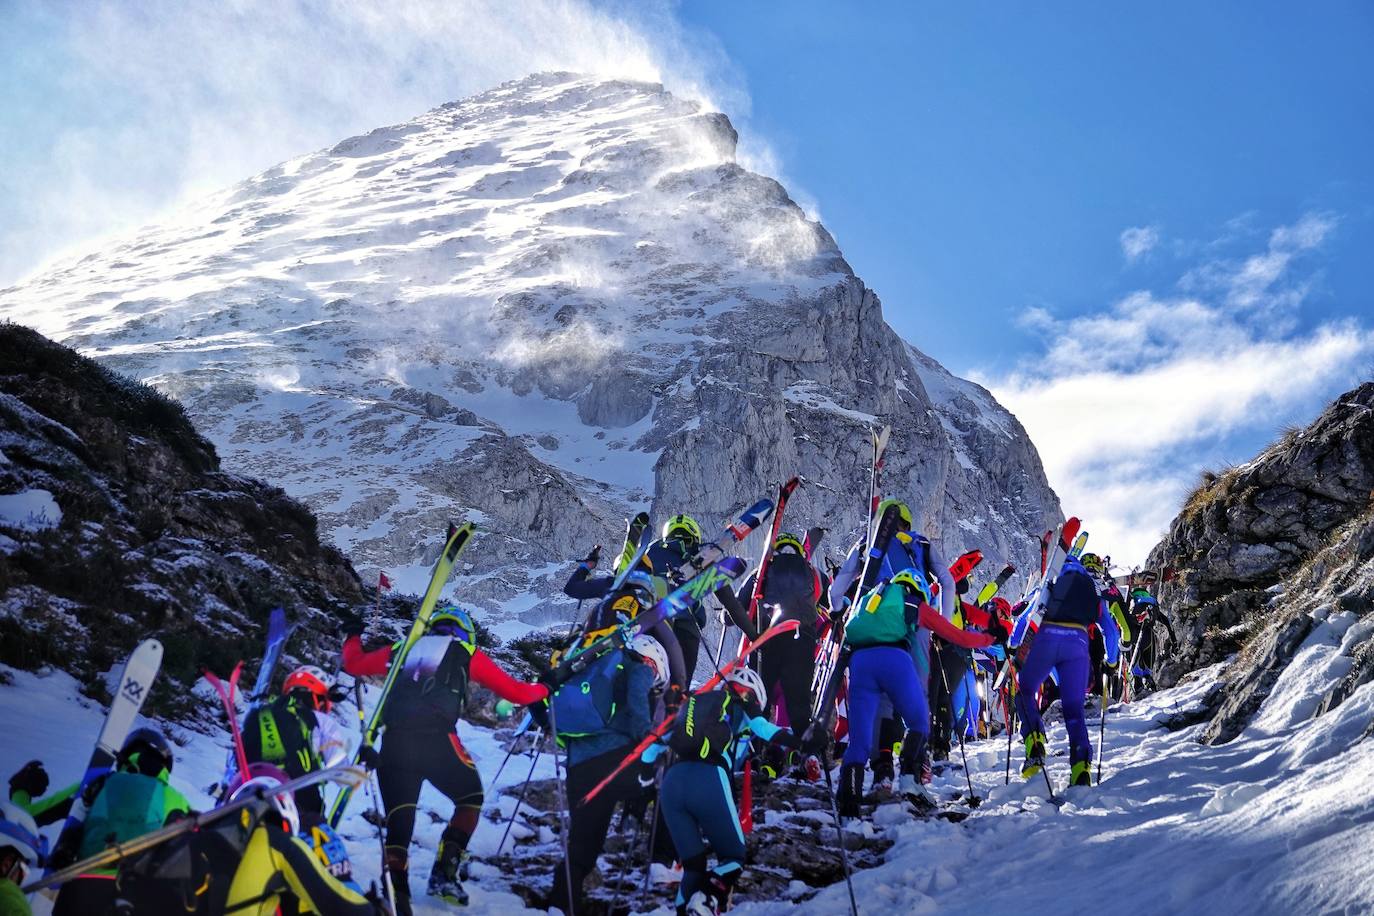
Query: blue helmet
column 451, row 620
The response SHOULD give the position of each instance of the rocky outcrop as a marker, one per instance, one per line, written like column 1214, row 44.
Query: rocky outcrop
column 1264, row 551
column 542, row 308
column 143, row 534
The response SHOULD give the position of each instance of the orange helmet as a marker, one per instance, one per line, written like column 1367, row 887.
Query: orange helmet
column 313, row 679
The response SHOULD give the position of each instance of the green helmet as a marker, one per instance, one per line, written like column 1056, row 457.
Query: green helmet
column 458, row 622
column 1093, row 564
column 788, row 540
column 902, row 509
column 684, row 527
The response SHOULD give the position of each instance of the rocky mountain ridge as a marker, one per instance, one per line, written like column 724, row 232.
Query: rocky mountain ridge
column 541, row 308
column 1273, row 554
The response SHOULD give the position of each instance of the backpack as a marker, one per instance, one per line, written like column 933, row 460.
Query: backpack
column 702, row 729
column 128, row 805
column 432, row 686
column 586, row 704
column 878, row 618
column 190, row 873
column 280, row 734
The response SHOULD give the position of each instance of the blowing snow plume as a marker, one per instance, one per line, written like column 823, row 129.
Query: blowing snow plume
column 544, row 308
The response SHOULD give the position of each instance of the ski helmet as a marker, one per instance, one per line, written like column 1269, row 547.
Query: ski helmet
column 999, row 606
column 914, row 582
column 19, row 832
column 146, row 750
column 748, row 682
column 648, row 648
column 683, row 527
column 263, row 778
column 314, row 680
column 643, row 586
column 453, row 621
column 1093, row 564
column 788, row 540
column 902, row 509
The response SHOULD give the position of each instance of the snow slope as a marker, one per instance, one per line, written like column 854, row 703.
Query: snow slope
column 540, row 308
column 1281, row 820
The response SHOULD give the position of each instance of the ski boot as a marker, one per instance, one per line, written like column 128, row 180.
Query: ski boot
column 444, row 880
column 714, row 898
column 851, row 789
column 398, row 868
column 883, row 775
column 915, row 761
column 1082, row 760
column 1035, row 755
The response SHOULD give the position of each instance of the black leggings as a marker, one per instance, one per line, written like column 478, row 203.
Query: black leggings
column 947, row 666
column 788, row 663
column 411, row 758
column 591, row 821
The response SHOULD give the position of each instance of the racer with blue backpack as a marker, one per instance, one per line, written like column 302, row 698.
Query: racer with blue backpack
column 710, row 736
column 599, row 715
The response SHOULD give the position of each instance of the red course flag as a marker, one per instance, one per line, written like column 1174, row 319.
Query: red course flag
column 383, row 583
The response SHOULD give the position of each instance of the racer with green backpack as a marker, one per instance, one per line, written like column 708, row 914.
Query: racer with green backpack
column 133, row 799
column 710, row 735
column 599, row 713
column 879, row 631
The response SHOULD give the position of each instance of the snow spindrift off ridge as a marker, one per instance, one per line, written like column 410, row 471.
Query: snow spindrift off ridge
column 540, row 309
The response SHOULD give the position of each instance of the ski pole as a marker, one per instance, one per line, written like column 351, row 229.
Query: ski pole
column 839, row 831
column 653, row 840
column 514, row 743
column 519, row 799
column 624, row 865
column 973, row 800
column 1011, row 725
column 387, row 884
column 1102, row 729
column 563, row 812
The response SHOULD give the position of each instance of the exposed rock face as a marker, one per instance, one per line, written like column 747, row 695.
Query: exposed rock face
column 1269, row 549
column 542, row 307
column 143, row 533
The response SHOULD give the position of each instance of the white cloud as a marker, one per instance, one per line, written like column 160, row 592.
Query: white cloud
column 1138, row 241
column 173, row 100
column 1125, row 404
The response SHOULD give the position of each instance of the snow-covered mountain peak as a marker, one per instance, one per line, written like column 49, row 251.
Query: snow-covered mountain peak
column 537, row 307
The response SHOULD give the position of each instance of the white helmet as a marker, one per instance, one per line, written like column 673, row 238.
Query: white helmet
column 748, row 679
column 651, row 651
column 20, row 833
column 268, row 777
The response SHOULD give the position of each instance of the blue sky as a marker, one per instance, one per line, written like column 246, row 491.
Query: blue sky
column 1147, row 227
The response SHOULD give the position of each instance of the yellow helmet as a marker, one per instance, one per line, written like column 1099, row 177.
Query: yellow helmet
column 902, row 509
column 682, row 526
column 914, row 582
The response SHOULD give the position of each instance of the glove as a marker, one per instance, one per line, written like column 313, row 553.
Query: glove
column 369, row 757
column 31, row 778
column 539, row 712
column 996, row 652
column 813, row 741
column 672, row 699
column 352, row 626
column 592, row 558
column 997, row 630
column 787, row 738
